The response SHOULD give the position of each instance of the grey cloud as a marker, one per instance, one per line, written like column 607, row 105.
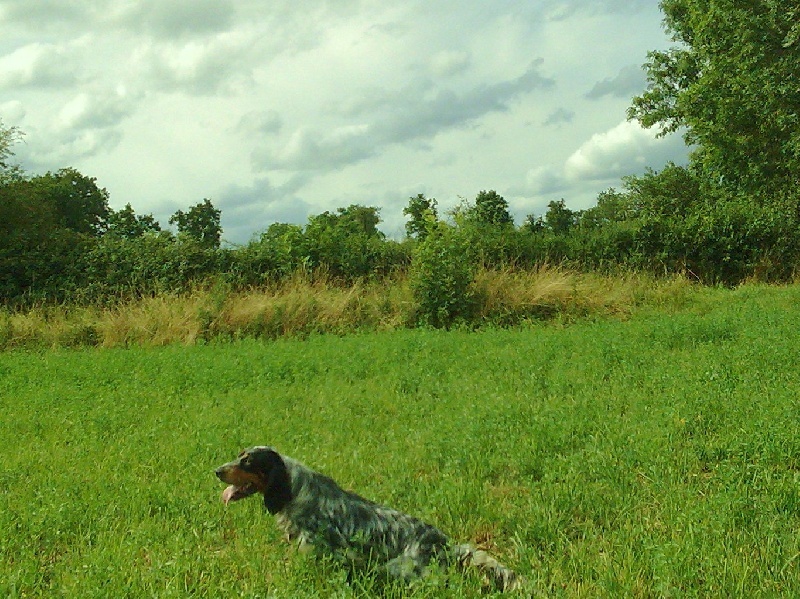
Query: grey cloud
column 259, row 123
column 559, row 117
column 41, row 13
column 449, row 62
column 249, row 209
column 560, row 10
column 542, row 180
column 413, row 114
column 627, row 83
column 177, row 18
column 88, row 124
column 56, row 149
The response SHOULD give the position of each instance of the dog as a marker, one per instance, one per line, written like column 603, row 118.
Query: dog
column 315, row 512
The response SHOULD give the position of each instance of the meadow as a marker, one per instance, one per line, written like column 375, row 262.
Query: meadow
column 655, row 454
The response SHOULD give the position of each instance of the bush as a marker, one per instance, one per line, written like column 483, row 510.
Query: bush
column 441, row 276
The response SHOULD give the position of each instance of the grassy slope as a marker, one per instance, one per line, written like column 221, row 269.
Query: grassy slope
column 658, row 456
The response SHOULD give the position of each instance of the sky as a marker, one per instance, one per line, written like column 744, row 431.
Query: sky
column 277, row 110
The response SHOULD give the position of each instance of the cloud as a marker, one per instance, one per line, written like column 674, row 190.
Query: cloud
column 420, row 111
column 95, row 111
column 12, row 112
column 170, row 101
column 449, row 62
column 627, row 83
column 259, row 123
column 197, row 67
column 86, row 125
column 176, row 18
column 37, row 64
column 40, row 13
column 626, row 149
column 542, row 180
column 559, row 116
column 559, row 10
column 602, row 160
column 247, row 210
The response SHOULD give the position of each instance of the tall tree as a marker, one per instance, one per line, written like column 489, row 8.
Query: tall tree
column 491, row 209
column 201, row 223
column 731, row 86
column 558, row 218
column 421, row 212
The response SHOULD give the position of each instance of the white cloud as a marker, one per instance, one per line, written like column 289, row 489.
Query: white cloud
column 599, row 163
column 12, row 112
column 625, row 149
column 95, row 111
column 199, row 67
column 36, row 64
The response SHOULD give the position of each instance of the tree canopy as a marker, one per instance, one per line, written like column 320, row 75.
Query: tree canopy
column 201, row 223
column 732, row 86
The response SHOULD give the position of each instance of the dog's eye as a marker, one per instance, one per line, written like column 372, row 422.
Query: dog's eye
column 246, row 460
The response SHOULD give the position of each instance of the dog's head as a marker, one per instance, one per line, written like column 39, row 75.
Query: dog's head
column 257, row 470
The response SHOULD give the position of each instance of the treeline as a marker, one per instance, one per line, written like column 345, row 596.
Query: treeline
column 733, row 213
column 60, row 241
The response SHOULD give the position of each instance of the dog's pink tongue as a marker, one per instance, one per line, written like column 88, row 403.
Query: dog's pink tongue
column 228, row 493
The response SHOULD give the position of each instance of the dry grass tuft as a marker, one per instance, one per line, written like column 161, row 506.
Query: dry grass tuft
column 306, row 305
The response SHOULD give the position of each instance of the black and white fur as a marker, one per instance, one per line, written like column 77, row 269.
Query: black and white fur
column 315, row 512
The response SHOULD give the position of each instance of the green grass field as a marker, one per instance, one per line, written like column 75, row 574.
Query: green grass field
column 655, row 456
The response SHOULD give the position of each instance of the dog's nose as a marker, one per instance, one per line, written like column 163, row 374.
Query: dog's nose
column 219, row 471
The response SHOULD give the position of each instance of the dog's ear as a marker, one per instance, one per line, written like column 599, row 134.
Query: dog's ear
column 278, row 491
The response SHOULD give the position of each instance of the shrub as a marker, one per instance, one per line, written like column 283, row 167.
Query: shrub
column 441, row 275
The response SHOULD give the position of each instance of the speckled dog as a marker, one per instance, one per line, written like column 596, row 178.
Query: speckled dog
column 314, row 511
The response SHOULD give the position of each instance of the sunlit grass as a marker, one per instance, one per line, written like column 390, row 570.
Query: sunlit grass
column 653, row 456
column 306, row 305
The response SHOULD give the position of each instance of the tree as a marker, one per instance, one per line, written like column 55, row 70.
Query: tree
column 46, row 225
column 127, row 224
column 201, row 223
column 347, row 243
column 612, row 207
column 731, row 85
column 421, row 211
column 558, row 218
column 75, row 200
column 491, row 209
column 360, row 219
column 8, row 137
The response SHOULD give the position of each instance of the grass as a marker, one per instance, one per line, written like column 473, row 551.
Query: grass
column 653, row 456
column 304, row 306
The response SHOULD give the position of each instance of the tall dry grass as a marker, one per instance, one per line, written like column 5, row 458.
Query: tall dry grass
column 307, row 305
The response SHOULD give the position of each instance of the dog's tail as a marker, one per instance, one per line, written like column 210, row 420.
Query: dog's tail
column 501, row 577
